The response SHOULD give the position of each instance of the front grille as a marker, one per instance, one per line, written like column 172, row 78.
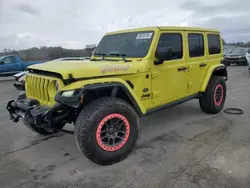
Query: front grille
column 42, row 88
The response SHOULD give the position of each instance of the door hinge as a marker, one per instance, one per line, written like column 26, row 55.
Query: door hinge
column 190, row 85
column 155, row 75
column 190, row 67
column 155, row 94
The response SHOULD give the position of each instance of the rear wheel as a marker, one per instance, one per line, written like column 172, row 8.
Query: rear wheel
column 213, row 100
column 107, row 130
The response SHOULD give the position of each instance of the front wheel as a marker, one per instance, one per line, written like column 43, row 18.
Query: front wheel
column 213, row 99
column 106, row 130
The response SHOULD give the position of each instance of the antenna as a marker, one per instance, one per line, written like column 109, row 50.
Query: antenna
column 185, row 19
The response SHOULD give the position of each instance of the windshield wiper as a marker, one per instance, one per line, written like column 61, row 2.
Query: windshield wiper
column 120, row 55
column 103, row 57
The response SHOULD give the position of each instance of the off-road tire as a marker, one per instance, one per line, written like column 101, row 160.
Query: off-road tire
column 40, row 130
column 88, row 122
column 207, row 101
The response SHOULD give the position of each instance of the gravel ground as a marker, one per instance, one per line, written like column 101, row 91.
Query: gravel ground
column 178, row 147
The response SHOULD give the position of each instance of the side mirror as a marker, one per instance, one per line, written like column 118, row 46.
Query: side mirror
column 1, row 62
column 163, row 54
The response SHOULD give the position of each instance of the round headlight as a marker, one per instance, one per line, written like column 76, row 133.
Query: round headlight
column 21, row 79
column 68, row 93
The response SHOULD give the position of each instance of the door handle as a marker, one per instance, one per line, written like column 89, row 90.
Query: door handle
column 182, row 68
column 203, row 64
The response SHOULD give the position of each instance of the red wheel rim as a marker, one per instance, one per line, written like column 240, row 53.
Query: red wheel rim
column 113, row 132
column 218, row 95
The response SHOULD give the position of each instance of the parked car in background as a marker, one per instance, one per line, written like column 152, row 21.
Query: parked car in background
column 248, row 56
column 12, row 64
column 225, row 53
column 237, row 56
column 248, row 59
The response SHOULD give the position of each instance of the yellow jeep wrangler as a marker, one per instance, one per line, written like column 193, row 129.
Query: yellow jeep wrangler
column 132, row 73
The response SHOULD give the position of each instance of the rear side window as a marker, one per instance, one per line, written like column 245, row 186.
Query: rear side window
column 214, row 44
column 170, row 43
column 196, row 45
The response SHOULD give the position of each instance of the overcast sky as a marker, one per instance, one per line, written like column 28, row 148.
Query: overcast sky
column 76, row 23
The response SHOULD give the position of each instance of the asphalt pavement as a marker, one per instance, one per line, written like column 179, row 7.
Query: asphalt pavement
column 180, row 147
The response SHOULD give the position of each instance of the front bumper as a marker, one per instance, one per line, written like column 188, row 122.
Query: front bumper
column 32, row 112
column 19, row 85
column 235, row 60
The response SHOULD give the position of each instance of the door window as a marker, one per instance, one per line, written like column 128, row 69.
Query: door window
column 196, row 45
column 171, row 44
column 214, row 44
column 9, row 60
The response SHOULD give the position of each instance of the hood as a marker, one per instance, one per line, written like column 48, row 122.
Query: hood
column 238, row 52
column 86, row 69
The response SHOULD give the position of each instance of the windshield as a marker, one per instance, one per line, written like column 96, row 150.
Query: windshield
column 132, row 44
column 240, row 51
column 2, row 57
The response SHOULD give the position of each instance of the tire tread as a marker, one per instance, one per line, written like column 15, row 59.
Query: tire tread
column 83, row 125
column 206, row 100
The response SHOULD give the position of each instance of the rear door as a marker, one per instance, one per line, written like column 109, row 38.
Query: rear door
column 197, row 64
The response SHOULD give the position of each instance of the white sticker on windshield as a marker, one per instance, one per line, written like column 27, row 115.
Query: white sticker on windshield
column 144, row 36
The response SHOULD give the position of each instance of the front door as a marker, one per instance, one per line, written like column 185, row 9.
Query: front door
column 169, row 79
column 9, row 66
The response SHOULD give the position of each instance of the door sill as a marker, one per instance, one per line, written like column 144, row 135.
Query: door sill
column 172, row 104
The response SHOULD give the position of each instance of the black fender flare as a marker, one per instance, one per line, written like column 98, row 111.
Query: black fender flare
column 115, row 86
column 75, row 101
column 221, row 71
